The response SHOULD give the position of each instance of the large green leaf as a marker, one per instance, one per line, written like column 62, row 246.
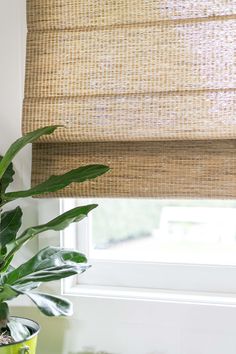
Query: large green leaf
column 18, row 331
column 55, row 273
column 22, row 142
column 51, row 263
column 7, row 178
column 57, row 224
column 7, row 293
column 55, row 183
column 19, row 288
column 5, row 263
column 51, row 305
column 10, row 222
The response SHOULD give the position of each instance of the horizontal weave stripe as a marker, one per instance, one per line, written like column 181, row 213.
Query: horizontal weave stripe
column 122, row 75
column 178, row 116
column 201, row 169
column 68, row 14
column 193, row 56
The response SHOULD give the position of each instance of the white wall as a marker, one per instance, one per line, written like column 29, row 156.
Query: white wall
column 12, row 41
column 12, row 54
column 117, row 326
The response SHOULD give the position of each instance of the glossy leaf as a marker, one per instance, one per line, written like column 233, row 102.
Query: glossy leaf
column 51, row 263
column 10, row 224
column 57, row 224
column 5, row 263
column 18, row 331
column 7, row 178
column 22, row 142
column 46, row 258
column 51, row 305
column 7, row 293
column 19, row 288
column 55, row 183
column 55, row 273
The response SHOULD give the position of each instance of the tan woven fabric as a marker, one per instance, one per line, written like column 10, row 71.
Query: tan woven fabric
column 187, row 115
column 133, row 74
column 54, row 14
column 143, row 59
column 144, row 169
column 168, row 81
column 131, row 70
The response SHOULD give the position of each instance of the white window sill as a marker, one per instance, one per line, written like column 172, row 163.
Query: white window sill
column 119, row 293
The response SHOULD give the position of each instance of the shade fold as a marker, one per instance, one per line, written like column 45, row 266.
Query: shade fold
column 146, row 87
column 60, row 14
column 179, row 116
column 151, row 169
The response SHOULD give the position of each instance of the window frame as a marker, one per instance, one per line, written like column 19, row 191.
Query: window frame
column 146, row 280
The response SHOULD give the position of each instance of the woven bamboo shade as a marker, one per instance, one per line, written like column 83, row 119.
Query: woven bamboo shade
column 145, row 169
column 147, row 87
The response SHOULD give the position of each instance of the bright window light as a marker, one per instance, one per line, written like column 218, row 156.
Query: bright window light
column 149, row 244
column 173, row 231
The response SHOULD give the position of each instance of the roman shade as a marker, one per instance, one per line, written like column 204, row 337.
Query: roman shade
column 146, row 87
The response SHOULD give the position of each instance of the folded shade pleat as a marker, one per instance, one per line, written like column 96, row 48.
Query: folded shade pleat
column 179, row 116
column 184, row 169
column 61, row 14
column 172, row 81
column 143, row 59
column 146, row 87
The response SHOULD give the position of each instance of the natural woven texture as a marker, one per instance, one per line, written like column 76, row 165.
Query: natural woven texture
column 125, row 76
column 190, row 115
column 159, row 79
column 61, row 14
column 152, row 169
column 143, row 59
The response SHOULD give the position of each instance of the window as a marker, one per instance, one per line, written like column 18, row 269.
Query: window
column 147, row 244
column 199, row 232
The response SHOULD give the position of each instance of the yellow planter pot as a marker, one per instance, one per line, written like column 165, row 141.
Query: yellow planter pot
column 26, row 347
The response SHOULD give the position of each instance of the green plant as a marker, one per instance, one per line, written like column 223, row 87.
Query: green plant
column 48, row 264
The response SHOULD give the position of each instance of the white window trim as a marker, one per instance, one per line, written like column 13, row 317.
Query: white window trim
column 201, row 284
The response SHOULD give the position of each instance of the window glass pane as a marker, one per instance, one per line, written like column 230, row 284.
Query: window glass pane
column 175, row 231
